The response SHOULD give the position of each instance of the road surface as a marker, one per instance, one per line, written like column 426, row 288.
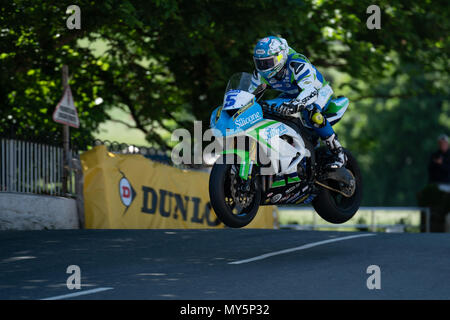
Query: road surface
column 223, row 264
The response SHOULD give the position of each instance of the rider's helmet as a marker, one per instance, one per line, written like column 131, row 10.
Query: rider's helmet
column 270, row 55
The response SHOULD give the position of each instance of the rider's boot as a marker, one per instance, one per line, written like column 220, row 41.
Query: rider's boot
column 335, row 147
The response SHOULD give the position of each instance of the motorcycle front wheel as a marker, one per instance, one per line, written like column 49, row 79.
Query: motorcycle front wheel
column 233, row 204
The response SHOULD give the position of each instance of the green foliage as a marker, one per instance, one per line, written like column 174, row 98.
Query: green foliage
column 393, row 131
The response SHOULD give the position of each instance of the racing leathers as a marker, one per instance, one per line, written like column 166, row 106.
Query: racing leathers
column 301, row 82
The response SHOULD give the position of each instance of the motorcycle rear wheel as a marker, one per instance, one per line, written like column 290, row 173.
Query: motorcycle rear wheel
column 336, row 208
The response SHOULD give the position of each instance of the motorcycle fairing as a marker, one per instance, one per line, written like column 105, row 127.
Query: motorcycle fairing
column 283, row 156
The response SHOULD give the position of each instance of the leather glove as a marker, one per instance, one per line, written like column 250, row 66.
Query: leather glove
column 288, row 108
column 297, row 104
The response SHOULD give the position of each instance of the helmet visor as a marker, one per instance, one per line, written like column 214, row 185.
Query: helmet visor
column 264, row 64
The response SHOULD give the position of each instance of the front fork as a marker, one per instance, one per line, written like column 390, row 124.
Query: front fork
column 247, row 160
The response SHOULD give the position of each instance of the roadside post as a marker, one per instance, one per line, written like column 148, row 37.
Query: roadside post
column 66, row 114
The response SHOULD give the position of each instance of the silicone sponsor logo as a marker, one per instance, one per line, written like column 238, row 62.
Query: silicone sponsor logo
column 248, row 120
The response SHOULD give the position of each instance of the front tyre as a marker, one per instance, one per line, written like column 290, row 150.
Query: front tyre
column 233, row 204
column 336, row 208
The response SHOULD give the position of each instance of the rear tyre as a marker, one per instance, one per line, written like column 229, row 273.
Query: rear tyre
column 227, row 207
column 336, row 208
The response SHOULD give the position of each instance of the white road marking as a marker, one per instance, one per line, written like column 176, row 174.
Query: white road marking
column 303, row 247
column 76, row 294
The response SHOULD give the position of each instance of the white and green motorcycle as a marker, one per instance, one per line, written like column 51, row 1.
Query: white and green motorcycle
column 261, row 145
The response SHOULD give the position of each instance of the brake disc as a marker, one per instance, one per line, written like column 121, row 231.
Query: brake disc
column 241, row 198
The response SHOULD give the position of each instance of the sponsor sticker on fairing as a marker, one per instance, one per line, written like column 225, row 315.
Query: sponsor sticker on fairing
column 291, row 189
column 295, row 197
column 274, row 132
column 248, row 120
column 244, row 108
column 276, row 198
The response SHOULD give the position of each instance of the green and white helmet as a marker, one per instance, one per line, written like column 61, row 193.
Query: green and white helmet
column 270, row 55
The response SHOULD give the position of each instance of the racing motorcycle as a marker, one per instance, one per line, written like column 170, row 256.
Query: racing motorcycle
column 260, row 144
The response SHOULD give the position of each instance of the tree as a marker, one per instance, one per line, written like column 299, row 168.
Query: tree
column 164, row 59
column 394, row 131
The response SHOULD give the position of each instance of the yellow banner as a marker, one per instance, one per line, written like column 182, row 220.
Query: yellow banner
column 132, row 192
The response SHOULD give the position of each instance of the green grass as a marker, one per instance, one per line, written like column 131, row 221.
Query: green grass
column 111, row 130
column 119, row 132
column 306, row 217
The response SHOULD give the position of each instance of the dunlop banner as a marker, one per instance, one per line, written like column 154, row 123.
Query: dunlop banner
column 132, row 192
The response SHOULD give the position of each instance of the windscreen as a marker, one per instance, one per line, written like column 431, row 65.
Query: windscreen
column 239, row 81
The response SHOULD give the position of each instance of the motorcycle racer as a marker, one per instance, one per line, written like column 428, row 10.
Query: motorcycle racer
column 283, row 69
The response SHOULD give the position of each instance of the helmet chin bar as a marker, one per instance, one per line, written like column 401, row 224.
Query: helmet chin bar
column 278, row 74
column 272, row 74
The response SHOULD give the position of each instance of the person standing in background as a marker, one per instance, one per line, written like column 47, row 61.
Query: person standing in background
column 439, row 164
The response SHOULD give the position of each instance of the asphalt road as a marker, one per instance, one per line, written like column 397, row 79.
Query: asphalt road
column 198, row 264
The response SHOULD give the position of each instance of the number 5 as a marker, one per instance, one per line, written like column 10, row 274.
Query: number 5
column 229, row 100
